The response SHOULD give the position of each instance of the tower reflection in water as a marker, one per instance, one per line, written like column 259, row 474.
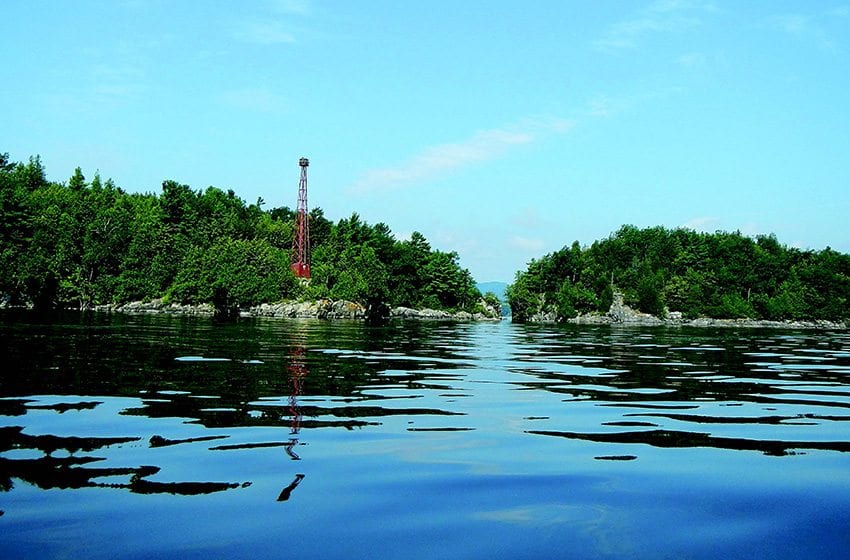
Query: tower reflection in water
column 297, row 370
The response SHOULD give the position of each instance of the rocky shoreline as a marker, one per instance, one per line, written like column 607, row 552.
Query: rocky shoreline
column 618, row 315
column 622, row 314
column 320, row 309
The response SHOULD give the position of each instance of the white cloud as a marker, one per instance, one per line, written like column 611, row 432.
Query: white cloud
column 664, row 16
column 437, row 160
column 460, row 241
column 604, row 107
column 691, row 60
column 793, row 24
column 750, row 229
column 807, row 28
column 298, row 7
column 527, row 218
column 608, row 106
column 263, row 32
column 254, row 99
column 701, row 223
column 528, row 244
column 274, row 27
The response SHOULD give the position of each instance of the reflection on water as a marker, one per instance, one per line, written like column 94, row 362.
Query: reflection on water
column 673, row 387
column 297, row 372
column 72, row 471
column 590, row 442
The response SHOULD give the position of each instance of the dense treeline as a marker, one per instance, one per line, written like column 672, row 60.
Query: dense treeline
column 721, row 275
column 78, row 244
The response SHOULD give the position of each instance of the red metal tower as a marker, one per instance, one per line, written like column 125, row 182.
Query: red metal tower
column 301, row 239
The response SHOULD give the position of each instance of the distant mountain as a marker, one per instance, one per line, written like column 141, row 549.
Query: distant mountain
column 497, row 288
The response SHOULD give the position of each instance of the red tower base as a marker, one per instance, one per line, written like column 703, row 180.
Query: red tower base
column 301, row 270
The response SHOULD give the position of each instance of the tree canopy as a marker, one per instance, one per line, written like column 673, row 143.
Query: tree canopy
column 81, row 243
column 720, row 275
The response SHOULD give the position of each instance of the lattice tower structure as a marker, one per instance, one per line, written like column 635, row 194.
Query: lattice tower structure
column 301, row 238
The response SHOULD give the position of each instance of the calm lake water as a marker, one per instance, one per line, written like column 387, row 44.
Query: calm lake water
column 172, row 437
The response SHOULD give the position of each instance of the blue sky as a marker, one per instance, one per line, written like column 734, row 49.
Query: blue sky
column 498, row 130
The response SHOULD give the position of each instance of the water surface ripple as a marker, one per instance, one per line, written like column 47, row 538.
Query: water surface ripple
column 143, row 437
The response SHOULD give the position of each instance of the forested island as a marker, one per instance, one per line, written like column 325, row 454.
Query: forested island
column 684, row 274
column 83, row 244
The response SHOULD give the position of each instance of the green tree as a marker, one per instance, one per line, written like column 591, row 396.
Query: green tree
column 447, row 285
column 720, row 275
column 650, row 297
column 77, row 182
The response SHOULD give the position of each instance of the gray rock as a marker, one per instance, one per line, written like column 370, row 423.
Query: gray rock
column 438, row 315
column 621, row 314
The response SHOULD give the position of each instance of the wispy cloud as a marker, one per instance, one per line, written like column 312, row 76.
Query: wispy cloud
column 611, row 105
column 527, row 218
column 710, row 224
column 701, row 223
column 793, row 24
column 605, row 106
column 262, row 32
column 437, row 160
column 299, row 7
column 531, row 245
column 458, row 239
column 810, row 28
column 261, row 100
column 274, row 27
column 663, row 16
column 691, row 60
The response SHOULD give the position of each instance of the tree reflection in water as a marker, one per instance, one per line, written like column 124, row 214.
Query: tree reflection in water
column 73, row 472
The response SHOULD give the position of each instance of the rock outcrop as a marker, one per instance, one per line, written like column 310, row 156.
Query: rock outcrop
column 621, row 314
column 618, row 314
column 320, row 309
column 439, row 315
column 157, row 306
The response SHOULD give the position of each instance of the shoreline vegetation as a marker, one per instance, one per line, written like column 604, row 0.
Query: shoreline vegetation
column 87, row 244
column 680, row 277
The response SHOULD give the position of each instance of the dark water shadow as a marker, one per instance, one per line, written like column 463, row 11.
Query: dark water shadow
column 671, row 438
column 75, row 471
